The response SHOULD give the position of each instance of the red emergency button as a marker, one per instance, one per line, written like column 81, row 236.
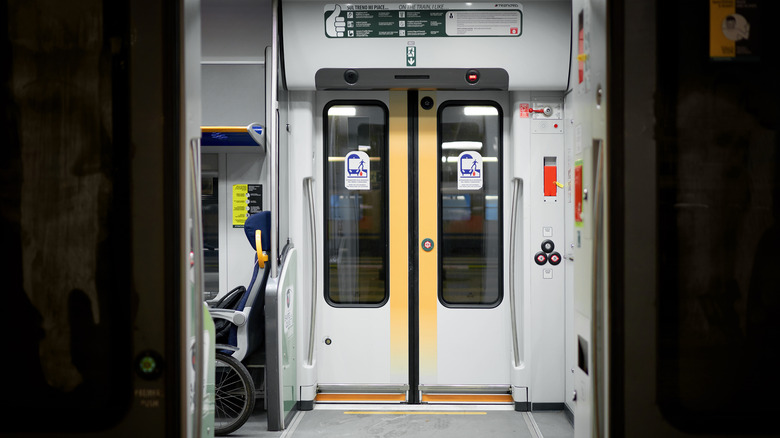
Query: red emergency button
column 540, row 258
column 472, row 76
column 555, row 258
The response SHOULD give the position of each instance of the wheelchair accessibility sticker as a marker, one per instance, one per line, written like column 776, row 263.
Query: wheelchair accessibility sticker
column 357, row 171
column 469, row 170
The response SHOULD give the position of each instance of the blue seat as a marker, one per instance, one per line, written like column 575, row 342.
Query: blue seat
column 243, row 329
column 229, row 301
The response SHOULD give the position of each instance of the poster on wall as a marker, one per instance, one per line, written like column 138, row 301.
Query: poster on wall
column 247, row 200
column 734, row 30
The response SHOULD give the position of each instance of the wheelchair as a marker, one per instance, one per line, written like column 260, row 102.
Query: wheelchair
column 239, row 320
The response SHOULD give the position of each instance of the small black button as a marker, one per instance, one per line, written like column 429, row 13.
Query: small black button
column 426, row 103
column 540, row 258
column 548, row 246
column 555, row 258
column 351, row 76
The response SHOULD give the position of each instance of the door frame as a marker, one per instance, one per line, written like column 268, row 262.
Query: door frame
column 404, row 236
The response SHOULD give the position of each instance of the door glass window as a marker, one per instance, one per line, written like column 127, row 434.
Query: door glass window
column 470, row 205
column 356, row 204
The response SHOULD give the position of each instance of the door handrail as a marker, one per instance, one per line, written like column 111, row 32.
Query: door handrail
column 313, row 229
column 517, row 199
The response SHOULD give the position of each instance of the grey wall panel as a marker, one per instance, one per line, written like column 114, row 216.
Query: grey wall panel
column 538, row 59
column 237, row 30
column 233, row 94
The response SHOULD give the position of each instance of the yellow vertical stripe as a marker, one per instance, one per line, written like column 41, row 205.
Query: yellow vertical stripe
column 398, row 161
column 427, row 196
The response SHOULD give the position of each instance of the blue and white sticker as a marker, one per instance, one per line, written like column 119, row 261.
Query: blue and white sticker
column 469, row 170
column 357, row 171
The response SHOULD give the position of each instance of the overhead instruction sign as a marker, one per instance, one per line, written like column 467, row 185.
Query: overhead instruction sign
column 404, row 20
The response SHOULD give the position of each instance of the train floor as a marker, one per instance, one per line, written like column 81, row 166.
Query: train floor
column 390, row 422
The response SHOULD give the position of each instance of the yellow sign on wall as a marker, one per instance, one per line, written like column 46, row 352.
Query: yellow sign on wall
column 733, row 29
column 247, row 200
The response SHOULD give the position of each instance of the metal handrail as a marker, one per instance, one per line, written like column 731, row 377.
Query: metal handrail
column 517, row 184
column 313, row 228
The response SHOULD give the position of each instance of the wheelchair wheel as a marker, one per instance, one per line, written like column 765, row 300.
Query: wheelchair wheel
column 234, row 394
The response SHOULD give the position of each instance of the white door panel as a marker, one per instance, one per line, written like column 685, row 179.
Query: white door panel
column 462, row 331
column 481, row 348
column 359, row 347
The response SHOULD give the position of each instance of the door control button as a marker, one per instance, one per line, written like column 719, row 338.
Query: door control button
column 472, row 76
column 555, row 258
column 548, row 246
column 540, row 258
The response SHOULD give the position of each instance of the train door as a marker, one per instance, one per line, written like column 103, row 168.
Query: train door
column 414, row 263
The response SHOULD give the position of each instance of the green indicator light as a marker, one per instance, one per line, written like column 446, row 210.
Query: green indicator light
column 148, row 364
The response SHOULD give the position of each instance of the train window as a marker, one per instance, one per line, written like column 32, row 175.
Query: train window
column 718, row 195
column 470, row 225
column 355, row 213
column 70, row 229
column 210, row 207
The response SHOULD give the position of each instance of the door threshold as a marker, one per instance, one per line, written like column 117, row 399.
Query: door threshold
column 411, row 408
column 359, row 397
column 468, row 398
